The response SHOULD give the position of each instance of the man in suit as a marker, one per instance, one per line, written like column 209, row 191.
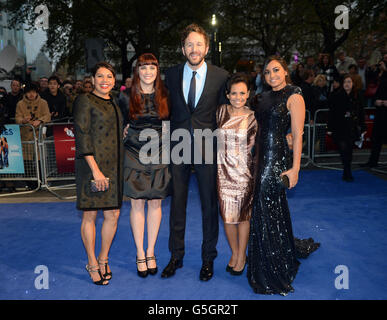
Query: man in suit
column 196, row 89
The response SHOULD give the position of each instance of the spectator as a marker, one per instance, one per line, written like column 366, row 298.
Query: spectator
column 296, row 74
column 87, row 86
column 344, row 63
column 70, row 97
column 362, row 71
column 78, row 87
column 12, row 99
column 327, row 68
column 3, row 100
column 33, row 110
column 356, row 79
column 43, row 84
column 258, row 79
column 346, row 116
column 123, row 99
column 308, row 77
column 320, row 91
column 379, row 132
column 310, row 64
column 337, row 83
column 55, row 98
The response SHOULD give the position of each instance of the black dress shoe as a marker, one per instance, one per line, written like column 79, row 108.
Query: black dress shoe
column 207, row 271
column 170, row 269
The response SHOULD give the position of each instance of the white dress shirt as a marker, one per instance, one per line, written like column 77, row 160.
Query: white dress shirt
column 200, row 78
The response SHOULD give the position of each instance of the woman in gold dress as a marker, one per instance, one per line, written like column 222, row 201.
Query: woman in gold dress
column 237, row 128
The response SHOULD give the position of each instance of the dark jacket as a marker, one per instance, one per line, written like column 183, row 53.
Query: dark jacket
column 98, row 132
column 55, row 103
column 10, row 106
column 346, row 115
column 309, row 98
column 213, row 95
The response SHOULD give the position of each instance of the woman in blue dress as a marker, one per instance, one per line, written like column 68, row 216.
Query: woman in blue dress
column 272, row 249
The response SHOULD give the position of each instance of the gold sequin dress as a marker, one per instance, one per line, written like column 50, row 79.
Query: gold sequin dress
column 235, row 163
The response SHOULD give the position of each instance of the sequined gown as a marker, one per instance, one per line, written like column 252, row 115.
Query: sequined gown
column 235, row 163
column 272, row 253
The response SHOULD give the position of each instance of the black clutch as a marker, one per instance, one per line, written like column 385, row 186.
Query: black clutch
column 285, row 181
column 93, row 186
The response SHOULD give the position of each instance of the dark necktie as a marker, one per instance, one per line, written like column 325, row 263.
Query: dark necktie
column 192, row 92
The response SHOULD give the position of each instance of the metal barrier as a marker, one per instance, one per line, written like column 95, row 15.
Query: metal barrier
column 324, row 149
column 50, row 172
column 41, row 167
column 31, row 165
column 306, row 146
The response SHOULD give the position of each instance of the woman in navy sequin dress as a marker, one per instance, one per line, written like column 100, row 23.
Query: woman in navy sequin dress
column 272, row 249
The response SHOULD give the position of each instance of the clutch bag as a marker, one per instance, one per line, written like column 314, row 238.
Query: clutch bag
column 93, row 186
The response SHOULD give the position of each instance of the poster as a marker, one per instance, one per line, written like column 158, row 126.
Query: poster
column 11, row 152
column 64, row 148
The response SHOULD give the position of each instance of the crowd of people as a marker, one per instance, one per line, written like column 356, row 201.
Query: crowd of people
column 323, row 84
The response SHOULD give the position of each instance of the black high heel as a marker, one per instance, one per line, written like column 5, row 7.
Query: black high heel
column 144, row 273
column 152, row 271
column 102, row 281
column 228, row 268
column 238, row 273
column 104, row 262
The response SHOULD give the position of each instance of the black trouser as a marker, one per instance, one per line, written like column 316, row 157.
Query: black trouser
column 345, row 146
column 206, row 177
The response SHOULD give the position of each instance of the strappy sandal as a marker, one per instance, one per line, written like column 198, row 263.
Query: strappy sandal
column 152, row 271
column 102, row 281
column 144, row 273
column 107, row 275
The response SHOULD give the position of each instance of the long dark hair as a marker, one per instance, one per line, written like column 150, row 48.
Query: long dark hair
column 282, row 62
column 161, row 94
column 353, row 92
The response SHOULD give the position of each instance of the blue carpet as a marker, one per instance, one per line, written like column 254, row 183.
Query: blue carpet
column 349, row 219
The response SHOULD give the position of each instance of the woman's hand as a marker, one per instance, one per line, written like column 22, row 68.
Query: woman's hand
column 101, row 182
column 126, row 131
column 293, row 177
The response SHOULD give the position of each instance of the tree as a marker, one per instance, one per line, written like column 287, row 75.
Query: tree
column 148, row 25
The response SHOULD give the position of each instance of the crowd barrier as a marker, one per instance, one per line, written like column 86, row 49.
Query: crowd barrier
column 50, row 171
column 41, row 162
column 324, row 153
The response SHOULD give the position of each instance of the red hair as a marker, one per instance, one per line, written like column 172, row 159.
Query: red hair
column 161, row 95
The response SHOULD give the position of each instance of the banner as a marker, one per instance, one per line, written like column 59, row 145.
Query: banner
column 64, row 148
column 11, row 152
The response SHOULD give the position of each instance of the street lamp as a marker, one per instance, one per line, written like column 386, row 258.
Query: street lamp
column 214, row 47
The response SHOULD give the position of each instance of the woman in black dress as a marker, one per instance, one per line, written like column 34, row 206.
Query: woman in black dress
column 146, row 178
column 272, row 252
column 99, row 157
column 346, row 122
